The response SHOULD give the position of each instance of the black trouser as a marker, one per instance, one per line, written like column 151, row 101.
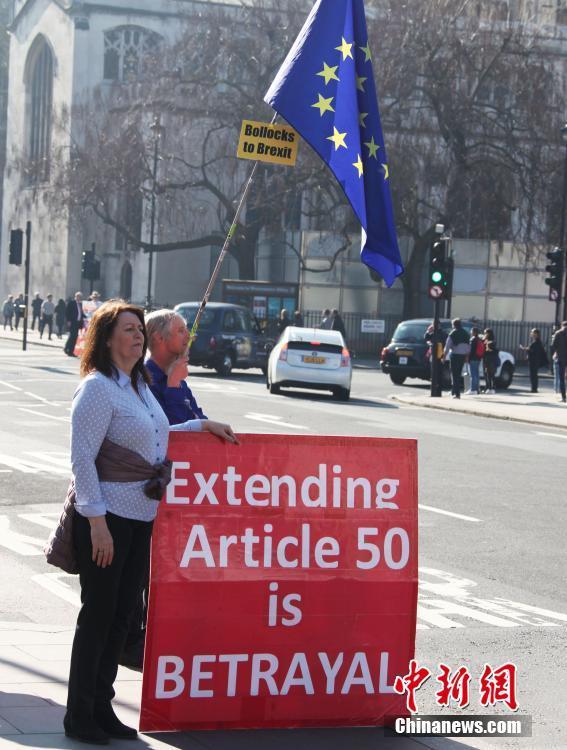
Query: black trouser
column 47, row 320
column 72, row 338
column 35, row 316
column 17, row 317
column 533, row 375
column 109, row 596
column 457, row 362
column 562, row 366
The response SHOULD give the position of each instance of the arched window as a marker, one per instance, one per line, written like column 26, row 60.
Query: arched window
column 126, row 280
column 40, row 103
column 129, row 51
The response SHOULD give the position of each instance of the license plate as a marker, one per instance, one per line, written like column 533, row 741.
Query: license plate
column 315, row 360
column 404, row 353
column 403, row 360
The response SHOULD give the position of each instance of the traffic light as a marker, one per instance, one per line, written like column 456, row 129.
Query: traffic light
column 555, row 270
column 90, row 266
column 440, row 271
column 16, row 245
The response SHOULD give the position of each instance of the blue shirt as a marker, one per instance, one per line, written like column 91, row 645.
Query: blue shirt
column 179, row 404
column 110, row 407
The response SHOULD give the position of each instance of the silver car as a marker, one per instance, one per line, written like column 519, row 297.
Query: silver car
column 310, row 358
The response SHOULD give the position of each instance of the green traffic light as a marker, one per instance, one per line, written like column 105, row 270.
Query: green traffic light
column 436, row 276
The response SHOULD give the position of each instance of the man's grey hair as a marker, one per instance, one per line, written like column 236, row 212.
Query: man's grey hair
column 159, row 321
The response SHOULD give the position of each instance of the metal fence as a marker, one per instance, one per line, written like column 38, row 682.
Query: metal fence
column 509, row 334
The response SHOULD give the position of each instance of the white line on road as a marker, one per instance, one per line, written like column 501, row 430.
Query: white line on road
column 9, row 385
column 41, row 414
column 22, row 544
column 272, row 419
column 552, row 434
column 40, row 398
column 53, row 582
column 449, row 513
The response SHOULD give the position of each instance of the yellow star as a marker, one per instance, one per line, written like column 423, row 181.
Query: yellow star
column 366, row 50
column 361, row 118
column 386, row 171
column 345, row 48
column 359, row 81
column 329, row 73
column 337, row 138
column 323, row 105
column 358, row 165
column 372, row 148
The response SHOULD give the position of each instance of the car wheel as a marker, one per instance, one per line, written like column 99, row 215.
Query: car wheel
column 274, row 388
column 397, row 379
column 225, row 367
column 341, row 394
column 504, row 380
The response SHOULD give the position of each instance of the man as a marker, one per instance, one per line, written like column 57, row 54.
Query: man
column 337, row 323
column 458, row 347
column 8, row 310
column 75, row 317
column 476, row 353
column 326, row 320
column 47, row 311
column 19, row 307
column 559, row 349
column 168, row 339
column 36, row 304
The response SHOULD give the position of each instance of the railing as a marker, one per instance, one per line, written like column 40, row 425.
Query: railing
column 509, row 334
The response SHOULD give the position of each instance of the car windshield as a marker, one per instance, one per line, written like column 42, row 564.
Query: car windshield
column 189, row 314
column 410, row 333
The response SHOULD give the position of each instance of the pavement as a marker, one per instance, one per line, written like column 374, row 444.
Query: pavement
column 34, row 664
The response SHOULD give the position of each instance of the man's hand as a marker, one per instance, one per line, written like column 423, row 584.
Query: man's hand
column 102, row 542
column 177, row 372
column 223, row 431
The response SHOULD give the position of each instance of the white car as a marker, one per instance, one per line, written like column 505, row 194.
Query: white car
column 310, row 358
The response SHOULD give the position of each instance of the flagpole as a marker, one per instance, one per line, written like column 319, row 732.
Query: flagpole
column 226, row 245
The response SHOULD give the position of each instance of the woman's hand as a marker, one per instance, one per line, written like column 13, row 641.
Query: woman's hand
column 102, row 542
column 224, row 431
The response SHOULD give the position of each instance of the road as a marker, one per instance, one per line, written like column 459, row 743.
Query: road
column 492, row 517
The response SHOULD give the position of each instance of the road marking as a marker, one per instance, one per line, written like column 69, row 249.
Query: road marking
column 54, row 583
column 552, row 434
column 19, row 543
column 48, row 416
column 272, row 419
column 46, row 463
column 40, row 398
column 9, row 385
column 46, row 520
column 60, row 459
column 449, row 513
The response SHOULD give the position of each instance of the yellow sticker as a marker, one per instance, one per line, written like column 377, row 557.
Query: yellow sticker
column 262, row 141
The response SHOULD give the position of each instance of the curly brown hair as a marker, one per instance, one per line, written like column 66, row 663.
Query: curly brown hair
column 96, row 353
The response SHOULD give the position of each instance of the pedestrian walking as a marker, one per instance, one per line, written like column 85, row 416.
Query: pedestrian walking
column 537, row 357
column 168, row 339
column 19, row 309
column 476, row 354
column 60, row 317
column 75, row 316
column 47, row 313
column 559, row 349
column 283, row 321
column 337, row 323
column 36, row 304
column 457, row 348
column 8, row 311
column 490, row 360
column 326, row 319
column 298, row 319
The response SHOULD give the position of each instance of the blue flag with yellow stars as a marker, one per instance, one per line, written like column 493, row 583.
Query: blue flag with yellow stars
column 325, row 90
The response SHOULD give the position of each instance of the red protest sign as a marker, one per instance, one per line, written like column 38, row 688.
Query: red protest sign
column 284, row 583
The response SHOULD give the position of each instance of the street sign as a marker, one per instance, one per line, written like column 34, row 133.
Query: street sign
column 283, row 585
column 372, row 326
column 435, row 291
column 263, row 141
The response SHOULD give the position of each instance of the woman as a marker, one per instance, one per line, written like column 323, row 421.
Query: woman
column 60, row 317
column 113, row 520
column 537, row 357
column 490, row 360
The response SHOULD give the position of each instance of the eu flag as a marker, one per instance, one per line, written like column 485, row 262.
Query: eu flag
column 325, row 90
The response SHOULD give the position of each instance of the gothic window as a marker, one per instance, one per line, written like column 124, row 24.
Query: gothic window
column 40, row 101
column 126, row 280
column 129, row 52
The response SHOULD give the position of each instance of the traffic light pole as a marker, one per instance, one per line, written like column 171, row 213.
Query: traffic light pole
column 436, row 391
column 93, row 255
column 562, row 287
column 26, row 285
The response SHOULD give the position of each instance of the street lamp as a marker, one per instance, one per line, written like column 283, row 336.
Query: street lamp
column 158, row 133
column 562, row 226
